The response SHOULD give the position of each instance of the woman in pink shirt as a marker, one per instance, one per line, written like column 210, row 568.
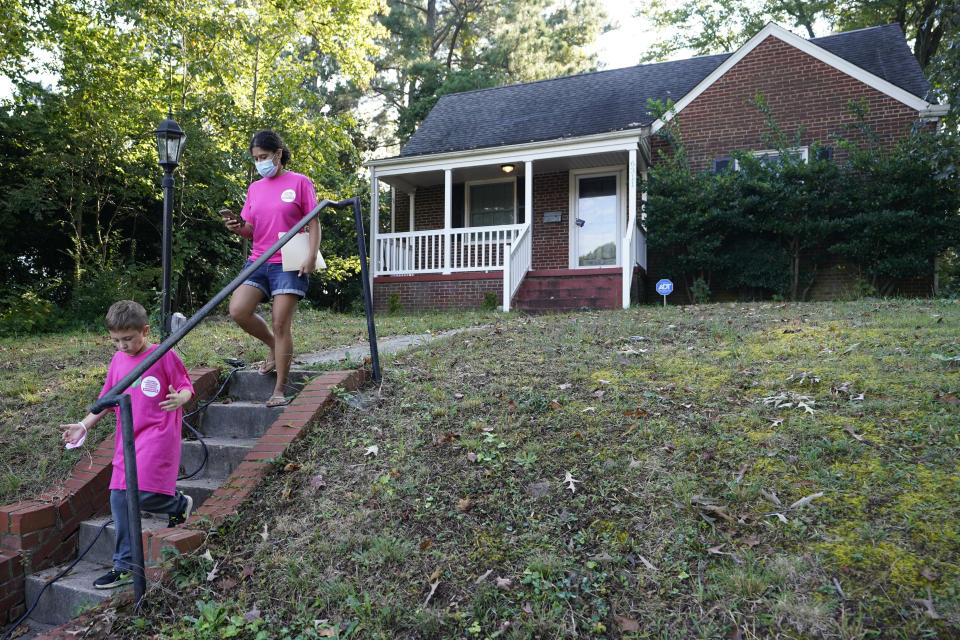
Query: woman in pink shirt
column 275, row 203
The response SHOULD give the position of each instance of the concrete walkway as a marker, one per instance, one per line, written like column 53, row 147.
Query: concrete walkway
column 389, row 345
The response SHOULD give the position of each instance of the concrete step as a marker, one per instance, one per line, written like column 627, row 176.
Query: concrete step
column 565, row 304
column 199, row 488
column 102, row 550
column 224, row 455
column 70, row 595
column 253, row 387
column 30, row 629
column 241, row 419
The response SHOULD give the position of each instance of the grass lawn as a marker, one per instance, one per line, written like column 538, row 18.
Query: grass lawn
column 728, row 471
column 51, row 379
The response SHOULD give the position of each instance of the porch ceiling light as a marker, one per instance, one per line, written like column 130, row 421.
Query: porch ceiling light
column 507, row 168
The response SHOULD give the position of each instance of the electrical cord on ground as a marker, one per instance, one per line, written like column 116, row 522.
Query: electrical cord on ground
column 237, row 366
column 54, row 579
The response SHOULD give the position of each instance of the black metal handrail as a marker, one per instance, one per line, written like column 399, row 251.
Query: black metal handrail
column 116, row 397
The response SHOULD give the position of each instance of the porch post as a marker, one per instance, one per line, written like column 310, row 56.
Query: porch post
column 628, row 250
column 528, row 193
column 374, row 223
column 412, row 226
column 447, row 216
column 393, row 209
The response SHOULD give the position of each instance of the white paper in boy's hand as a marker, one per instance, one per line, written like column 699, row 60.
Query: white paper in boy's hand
column 78, row 443
column 295, row 252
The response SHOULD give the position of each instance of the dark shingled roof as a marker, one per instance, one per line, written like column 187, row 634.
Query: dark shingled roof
column 615, row 100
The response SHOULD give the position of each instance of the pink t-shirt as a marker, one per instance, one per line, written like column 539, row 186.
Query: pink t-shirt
column 273, row 206
column 156, row 433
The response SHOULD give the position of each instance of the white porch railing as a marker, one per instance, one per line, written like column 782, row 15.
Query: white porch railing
column 635, row 253
column 518, row 261
column 415, row 252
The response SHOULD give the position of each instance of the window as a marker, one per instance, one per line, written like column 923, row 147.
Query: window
column 766, row 157
column 491, row 203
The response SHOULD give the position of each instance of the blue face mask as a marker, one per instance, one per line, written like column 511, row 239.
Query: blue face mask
column 266, row 168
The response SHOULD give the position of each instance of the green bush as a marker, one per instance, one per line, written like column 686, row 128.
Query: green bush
column 489, row 301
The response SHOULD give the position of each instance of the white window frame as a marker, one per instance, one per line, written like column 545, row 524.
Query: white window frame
column 466, row 197
column 804, row 153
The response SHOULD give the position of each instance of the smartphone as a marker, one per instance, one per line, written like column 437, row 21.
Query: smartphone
column 227, row 214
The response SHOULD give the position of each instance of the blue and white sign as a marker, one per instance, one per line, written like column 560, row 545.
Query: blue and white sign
column 664, row 287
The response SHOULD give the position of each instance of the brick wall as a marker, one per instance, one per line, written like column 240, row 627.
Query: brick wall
column 437, row 292
column 800, row 90
column 551, row 240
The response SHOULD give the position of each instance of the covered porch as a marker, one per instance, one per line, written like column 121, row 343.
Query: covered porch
column 482, row 220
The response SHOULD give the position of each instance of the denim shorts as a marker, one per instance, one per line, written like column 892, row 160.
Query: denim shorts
column 272, row 279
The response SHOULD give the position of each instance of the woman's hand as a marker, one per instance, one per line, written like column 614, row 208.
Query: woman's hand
column 233, row 222
column 175, row 399
column 309, row 265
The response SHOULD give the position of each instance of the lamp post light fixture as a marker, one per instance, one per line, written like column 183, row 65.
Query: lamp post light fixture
column 170, row 139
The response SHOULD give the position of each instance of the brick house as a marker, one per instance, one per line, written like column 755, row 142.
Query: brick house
column 533, row 192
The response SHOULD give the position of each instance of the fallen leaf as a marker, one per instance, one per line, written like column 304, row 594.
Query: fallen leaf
column 317, row 482
column 927, row 603
column 504, row 584
column 458, row 396
column 598, row 393
column 743, row 470
column 511, row 406
column 526, row 608
column 627, row 625
column 849, row 430
column 565, row 385
column 588, row 410
column 464, row 504
column 708, row 455
column 247, row 571
column 226, row 584
column 751, row 541
column 207, row 556
column 770, row 496
column 327, row 632
column 472, row 457
column 372, row 450
column 212, row 574
column 291, row 466
column 572, row 483
column 646, row 563
column 426, row 543
column 802, row 502
column 635, row 412
column 601, row 381
column 433, row 589
column 929, row 574
column 717, row 510
column 555, row 405
column 253, row 614
column 484, row 576
column 948, row 398
column 265, row 533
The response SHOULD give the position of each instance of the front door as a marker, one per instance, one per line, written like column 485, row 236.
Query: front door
column 595, row 225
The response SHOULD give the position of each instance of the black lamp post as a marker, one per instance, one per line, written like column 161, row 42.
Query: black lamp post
column 170, row 138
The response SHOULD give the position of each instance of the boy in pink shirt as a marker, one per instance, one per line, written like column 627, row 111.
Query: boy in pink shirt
column 156, row 399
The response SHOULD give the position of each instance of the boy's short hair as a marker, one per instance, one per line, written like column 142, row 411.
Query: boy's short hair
column 126, row 314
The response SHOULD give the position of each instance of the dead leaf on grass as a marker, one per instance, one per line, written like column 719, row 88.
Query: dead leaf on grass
column 929, row 574
column 947, row 398
column 751, row 542
column 856, row 436
column 504, row 584
column 483, row 576
column 265, row 534
column 247, row 571
column 291, row 466
column 627, row 625
column 555, row 405
column 717, row 510
column 527, row 609
column 743, row 470
column 472, row 457
column 458, row 396
column 426, row 543
column 226, row 584
column 511, row 406
column 433, row 589
column 327, row 632
column 571, row 483
column 802, row 502
column 770, row 497
column 464, row 504
column 635, row 412
column 253, row 614
column 565, row 385
column 317, row 482
column 372, row 450
column 927, row 603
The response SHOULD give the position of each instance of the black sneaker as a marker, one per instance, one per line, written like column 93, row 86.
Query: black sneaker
column 113, row 579
column 181, row 518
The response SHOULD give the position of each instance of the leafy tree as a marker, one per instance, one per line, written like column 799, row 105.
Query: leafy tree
column 436, row 47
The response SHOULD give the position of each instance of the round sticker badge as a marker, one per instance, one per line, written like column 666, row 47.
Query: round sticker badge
column 150, row 387
column 289, row 195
